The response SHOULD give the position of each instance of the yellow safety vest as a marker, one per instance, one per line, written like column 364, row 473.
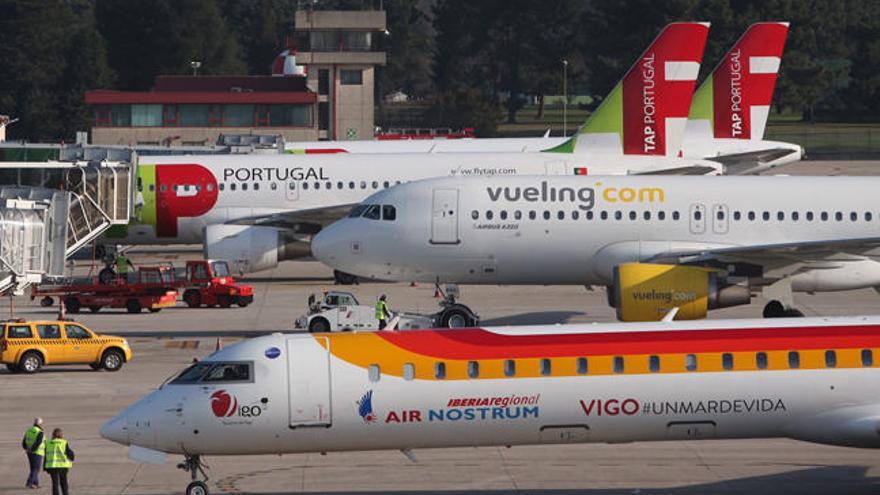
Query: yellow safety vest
column 121, row 264
column 56, row 454
column 30, row 437
column 380, row 310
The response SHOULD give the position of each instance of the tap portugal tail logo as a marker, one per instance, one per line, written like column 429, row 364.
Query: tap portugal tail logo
column 174, row 191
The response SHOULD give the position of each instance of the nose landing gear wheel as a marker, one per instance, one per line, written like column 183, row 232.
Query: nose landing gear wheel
column 197, row 488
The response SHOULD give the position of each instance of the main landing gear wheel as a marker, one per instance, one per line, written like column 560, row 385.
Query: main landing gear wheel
column 193, row 465
column 775, row 309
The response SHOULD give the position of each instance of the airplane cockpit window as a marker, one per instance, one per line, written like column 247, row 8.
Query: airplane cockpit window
column 389, row 212
column 358, row 211
column 193, row 374
column 214, row 372
column 373, row 212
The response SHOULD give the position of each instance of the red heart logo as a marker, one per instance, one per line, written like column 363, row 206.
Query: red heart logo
column 221, row 403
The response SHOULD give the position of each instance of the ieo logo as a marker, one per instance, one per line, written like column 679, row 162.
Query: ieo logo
column 225, row 405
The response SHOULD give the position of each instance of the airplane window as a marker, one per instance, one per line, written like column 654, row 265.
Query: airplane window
column 193, row 373
column 351, row 185
column 867, row 357
column 152, row 187
column 603, row 215
column 589, row 215
column 546, row 367
column 358, row 211
column 475, row 214
column 794, row 216
column 546, row 215
column 256, row 186
column 174, row 187
column 751, row 215
column 232, row 186
column 532, row 215
column 618, row 215
column 375, row 184
column 654, row 363
column 560, row 215
column 575, row 215
column 509, row 367
column 473, row 369
column 632, row 215
column 517, row 215
column 810, row 216
column 222, row 186
column 853, row 216
column 503, row 214
column 838, row 216
column 439, row 370
column 409, row 371
column 373, row 212
column 824, row 216
column 228, row 372
column 830, row 359
column 489, row 215
column 661, row 215
column 163, row 188
column 780, row 216
column 761, row 360
column 389, row 212
column 582, row 366
column 273, row 186
column 765, row 215
column 618, row 364
column 186, row 187
column 675, row 215
column 244, row 186
column 386, row 184
column 373, row 373
column 867, row 216
column 720, row 215
column 328, row 185
column 363, row 184
column 727, row 361
column 737, row 215
column 794, row 359
column 647, row 215
column 305, row 186
column 698, row 215
column 397, row 182
column 690, row 362
column 340, row 185
column 317, row 185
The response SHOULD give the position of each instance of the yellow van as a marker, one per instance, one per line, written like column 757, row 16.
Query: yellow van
column 27, row 346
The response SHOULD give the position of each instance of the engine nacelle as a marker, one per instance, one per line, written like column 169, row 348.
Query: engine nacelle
column 647, row 292
column 250, row 248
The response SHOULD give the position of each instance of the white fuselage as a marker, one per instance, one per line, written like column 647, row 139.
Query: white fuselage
column 302, row 398
column 575, row 230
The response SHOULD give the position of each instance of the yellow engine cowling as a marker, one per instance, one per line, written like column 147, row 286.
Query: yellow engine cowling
column 647, row 292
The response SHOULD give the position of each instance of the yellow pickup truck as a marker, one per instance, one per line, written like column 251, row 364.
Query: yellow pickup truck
column 27, row 346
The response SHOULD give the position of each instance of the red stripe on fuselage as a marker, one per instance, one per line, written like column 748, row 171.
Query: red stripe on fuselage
column 481, row 344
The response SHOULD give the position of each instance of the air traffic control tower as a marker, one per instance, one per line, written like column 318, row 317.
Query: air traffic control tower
column 338, row 49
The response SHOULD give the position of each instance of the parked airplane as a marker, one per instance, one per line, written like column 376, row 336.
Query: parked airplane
column 256, row 210
column 657, row 242
column 812, row 379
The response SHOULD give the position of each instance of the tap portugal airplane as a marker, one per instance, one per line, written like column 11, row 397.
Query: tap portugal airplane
column 697, row 243
column 811, row 379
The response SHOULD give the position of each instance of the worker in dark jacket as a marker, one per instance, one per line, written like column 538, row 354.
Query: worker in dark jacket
column 59, row 460
column 34, row 444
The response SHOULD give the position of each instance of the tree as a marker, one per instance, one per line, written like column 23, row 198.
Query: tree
column 261, row 28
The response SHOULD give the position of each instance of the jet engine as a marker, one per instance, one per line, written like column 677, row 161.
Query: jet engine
column 646, row 291
column 250, row 248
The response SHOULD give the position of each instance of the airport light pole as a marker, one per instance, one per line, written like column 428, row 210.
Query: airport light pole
column 564, row 97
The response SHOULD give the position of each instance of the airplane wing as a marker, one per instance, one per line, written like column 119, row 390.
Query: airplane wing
column 779, row 260
column 752, row 162
column 308, row 221
column 688, row 170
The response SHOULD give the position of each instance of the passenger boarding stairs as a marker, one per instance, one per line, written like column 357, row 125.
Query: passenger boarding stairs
column 97, row 185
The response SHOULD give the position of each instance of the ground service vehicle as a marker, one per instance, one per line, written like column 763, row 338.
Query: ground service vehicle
column 209, row 283
column 152, row 288
column 340, row 311
column 27, row 346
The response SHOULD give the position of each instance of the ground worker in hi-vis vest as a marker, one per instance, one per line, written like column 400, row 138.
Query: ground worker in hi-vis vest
column 59, row 460
column 34, row 444
column 382, row 313
column 122, row 264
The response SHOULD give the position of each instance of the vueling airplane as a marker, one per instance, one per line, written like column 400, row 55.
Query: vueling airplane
column 256, row 210
column 697, row 243
column 811, row 379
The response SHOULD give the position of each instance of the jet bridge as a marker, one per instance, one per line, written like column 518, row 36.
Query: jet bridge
column 85, row 190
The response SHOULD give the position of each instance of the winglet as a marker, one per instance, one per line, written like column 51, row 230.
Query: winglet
column 734, row 101
column 646, row 112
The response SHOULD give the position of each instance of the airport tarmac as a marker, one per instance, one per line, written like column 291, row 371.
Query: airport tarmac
column 80, row 400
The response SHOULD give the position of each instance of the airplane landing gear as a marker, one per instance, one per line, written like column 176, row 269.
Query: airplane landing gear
column 775, row 309
column 193, row 465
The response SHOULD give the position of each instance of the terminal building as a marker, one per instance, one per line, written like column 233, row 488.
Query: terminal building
column 330, row 95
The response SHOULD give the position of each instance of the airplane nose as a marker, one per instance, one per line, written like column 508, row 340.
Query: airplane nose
column 329, row 244
column 116, row 430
